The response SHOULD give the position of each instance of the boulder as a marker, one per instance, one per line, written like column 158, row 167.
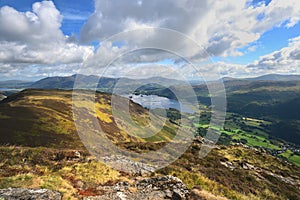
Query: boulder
column 29, row 194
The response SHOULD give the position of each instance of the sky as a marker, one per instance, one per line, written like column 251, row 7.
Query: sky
column 244, row 38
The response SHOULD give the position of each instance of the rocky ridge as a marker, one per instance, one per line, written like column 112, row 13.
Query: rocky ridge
column 123, row 163
column 159, row 188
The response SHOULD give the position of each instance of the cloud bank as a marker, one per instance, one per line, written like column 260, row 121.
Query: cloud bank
column 32, row 43
column 221, row 27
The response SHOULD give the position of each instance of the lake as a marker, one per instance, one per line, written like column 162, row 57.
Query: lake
column 10, row 89
column 154, row 101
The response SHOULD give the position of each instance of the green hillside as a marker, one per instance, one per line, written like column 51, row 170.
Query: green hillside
column 40, row 148
column 44, row 118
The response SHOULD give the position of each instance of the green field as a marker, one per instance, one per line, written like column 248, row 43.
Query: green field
column 239, row 129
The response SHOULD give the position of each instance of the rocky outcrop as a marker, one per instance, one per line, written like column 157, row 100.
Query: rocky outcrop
column 229, row 165
column 122, row 163
column 29, row 194
column 166, row 187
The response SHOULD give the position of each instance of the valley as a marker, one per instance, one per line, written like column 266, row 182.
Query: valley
column 256, row 157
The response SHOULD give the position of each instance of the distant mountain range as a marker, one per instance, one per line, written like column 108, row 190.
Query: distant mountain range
column 15, row 84
column 107, row 84
column 268, row 77
column 89, row 82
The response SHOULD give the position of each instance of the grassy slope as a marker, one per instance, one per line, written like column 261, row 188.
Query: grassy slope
column 261, row 182
column 37, row 118
column 53, row 169
column 44, row 118
column 74, row 177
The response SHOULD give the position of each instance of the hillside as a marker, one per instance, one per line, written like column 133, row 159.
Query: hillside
column 44, row 118
column 47, row 153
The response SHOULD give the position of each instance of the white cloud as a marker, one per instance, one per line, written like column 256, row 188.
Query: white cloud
column 36, row 38
column 38, row 27
column 61, row 52
column 221, row 27
column 286, row 60
column 24, row 71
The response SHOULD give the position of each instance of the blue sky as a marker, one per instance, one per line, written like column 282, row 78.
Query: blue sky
column 272, row 40
column 244, row 38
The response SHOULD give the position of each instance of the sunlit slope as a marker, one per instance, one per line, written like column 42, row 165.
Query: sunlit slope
column 45, row 118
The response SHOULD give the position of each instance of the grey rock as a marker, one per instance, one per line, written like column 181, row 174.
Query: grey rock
column 229, row 165
column 29, row 194
column 166, row 187
column 122, row 163
column 247, row 166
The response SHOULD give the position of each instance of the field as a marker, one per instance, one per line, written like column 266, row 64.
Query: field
column 247, row 131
